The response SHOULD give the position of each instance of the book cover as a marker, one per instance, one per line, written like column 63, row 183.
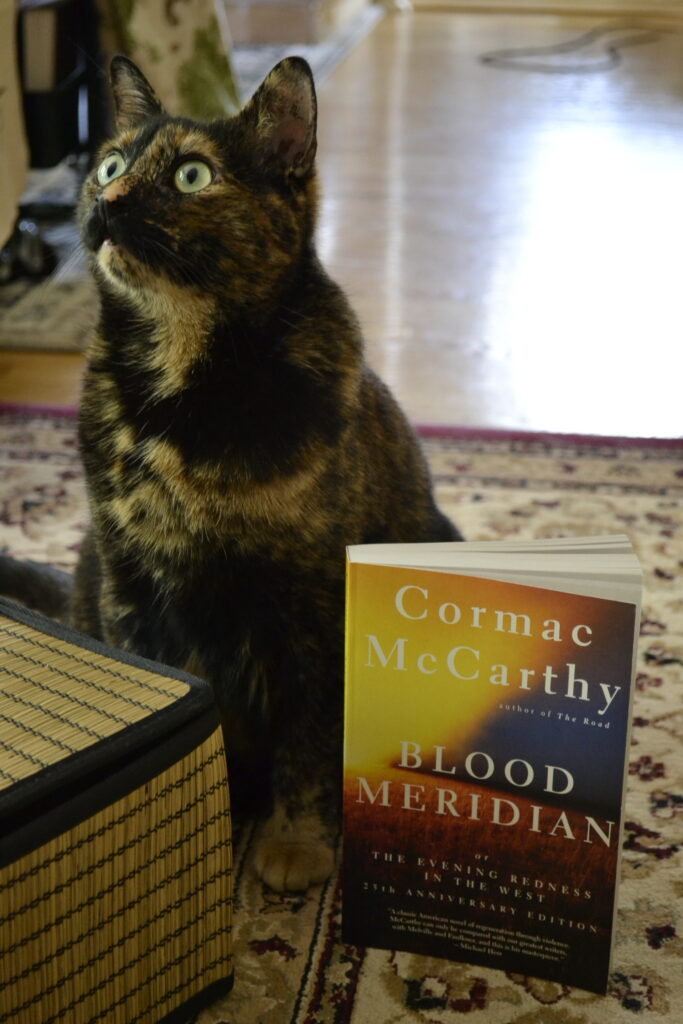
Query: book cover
column 486, row 735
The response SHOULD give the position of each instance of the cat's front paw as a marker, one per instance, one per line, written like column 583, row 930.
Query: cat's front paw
column 293, row 865
column 293, row 853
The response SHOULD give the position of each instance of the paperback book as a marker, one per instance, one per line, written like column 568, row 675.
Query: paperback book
column 488, row 701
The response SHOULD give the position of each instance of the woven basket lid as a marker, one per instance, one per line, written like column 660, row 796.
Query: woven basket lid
column 71, row 707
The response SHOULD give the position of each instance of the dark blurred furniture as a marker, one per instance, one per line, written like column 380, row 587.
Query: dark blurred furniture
column 62, row 85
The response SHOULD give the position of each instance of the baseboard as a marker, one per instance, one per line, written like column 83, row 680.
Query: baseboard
column 670, row 9
column 264, row 22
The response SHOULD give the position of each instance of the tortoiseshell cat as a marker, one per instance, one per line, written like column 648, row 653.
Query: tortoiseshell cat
column 234, row 441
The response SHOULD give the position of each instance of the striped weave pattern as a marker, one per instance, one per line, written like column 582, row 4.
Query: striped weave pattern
column 57, row 699
column 127, row 915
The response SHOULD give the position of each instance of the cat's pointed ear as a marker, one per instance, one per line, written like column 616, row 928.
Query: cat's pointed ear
column 285, row 110
column 134, row 98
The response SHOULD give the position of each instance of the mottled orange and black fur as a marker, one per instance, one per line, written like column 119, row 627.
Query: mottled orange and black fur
column 234, row 441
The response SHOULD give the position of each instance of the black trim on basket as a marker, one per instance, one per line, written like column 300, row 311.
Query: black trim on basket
column 38, row 823
column 182, row 1014
column 128, row 744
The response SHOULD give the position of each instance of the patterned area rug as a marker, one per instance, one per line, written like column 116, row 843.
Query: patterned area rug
column 58, row 313
column 291, row 967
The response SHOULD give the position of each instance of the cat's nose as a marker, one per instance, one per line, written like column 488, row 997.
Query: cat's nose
column 116, row 189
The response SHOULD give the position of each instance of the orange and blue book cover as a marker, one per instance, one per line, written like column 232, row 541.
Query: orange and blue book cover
column 485, row 757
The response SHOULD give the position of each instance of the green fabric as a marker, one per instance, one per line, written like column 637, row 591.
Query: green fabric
column 180, row 47
column 206, row 82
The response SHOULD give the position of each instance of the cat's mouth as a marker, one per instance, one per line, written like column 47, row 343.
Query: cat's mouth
column 94, row 236
column 102, row 237
column 126, row 248
column 98, row 228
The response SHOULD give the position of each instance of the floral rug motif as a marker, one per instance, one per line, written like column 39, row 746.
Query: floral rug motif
column 291, row 967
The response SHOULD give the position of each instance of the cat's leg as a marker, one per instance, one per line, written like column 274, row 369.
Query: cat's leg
column 113, row 602
column 297, row 844
column 85, row 600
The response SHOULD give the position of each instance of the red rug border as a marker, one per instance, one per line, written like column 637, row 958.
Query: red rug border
column 547, row 438
column 29, row 409
column 433, row 430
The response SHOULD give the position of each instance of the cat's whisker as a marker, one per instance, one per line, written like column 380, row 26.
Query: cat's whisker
column 73, row 265
column 142, row 255
column 176, row 257
column 298, row 314
column 69, row 269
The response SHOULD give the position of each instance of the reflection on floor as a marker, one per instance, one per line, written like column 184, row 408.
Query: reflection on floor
column 510, row 236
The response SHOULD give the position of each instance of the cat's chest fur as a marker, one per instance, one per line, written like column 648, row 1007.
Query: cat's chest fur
column 203, row 435
column 225, row 563
column 171, row 493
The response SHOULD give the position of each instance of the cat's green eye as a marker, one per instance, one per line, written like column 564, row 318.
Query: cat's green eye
column 193, row 176
column 111, row 167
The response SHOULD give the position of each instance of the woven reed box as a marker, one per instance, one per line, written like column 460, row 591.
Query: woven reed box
column 115, row 840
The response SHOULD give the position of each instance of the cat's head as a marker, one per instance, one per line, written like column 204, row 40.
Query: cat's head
column 225, row 207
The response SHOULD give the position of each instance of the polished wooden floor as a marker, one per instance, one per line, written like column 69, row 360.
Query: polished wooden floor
column 510, row 238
